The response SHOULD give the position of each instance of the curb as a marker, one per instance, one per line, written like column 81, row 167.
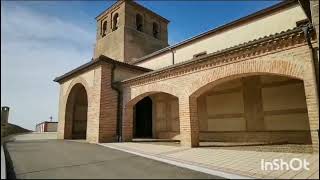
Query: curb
column 183, row 165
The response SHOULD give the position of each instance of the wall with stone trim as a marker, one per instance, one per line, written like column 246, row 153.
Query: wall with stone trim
column 260, row 27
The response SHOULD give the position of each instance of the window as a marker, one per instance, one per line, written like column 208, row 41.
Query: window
column 139, row 23
column 115, row 22
column 155, row 30
column 104, row 28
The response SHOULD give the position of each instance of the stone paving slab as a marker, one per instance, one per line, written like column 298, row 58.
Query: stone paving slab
column 244, row 162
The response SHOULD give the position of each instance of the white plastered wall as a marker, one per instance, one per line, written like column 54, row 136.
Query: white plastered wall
column 273, row 23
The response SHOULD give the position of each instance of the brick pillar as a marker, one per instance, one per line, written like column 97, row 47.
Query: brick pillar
column 108, row 107
column 312, row 100
column 312, row 97
column 94, row 108
column 61, row 121
column 189, row 125
column 252, row 99
column 65, row 115
column 127, row 124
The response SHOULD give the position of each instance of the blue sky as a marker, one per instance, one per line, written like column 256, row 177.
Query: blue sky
column 44, row 39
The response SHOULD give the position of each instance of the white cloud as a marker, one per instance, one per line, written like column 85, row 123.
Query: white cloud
column 35, row 48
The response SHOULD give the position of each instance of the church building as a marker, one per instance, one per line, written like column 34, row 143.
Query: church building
column 251, row 80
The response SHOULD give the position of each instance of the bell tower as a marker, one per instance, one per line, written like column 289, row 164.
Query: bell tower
column 127, row 31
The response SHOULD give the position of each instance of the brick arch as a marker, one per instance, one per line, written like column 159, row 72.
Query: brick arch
column 140, row 93
column 149, row 89
column 211, row 78
column 78, row 80
column 248, row 68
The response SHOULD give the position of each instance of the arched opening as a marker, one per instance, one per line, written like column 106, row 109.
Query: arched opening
column 143, row 118
column 115, row 22
column 156, row 116
column 155, row 30
column 139, row 22
column 76, row 113
column 104, row 28
column 254, row 109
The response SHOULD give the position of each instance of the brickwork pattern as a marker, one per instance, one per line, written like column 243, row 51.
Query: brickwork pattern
column 108, row 106
column 289, row 58
column 102, row 104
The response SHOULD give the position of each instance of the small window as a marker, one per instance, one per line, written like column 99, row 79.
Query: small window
column 155, row 30
column 104, row 28
column 139, row 22
column 200, row 54
column 115, row 22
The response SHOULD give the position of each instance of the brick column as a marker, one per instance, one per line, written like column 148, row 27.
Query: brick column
column 108, row 107
column 61, row 122
column 127, row 124
column 189, row 125
column 94, row 108
column 312, row 105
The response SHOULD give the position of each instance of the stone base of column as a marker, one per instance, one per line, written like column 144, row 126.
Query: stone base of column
column 187, row 141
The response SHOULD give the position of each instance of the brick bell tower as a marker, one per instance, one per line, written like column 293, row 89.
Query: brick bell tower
column 127, row 31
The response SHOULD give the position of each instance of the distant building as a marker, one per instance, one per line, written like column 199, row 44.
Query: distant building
column 47, row 126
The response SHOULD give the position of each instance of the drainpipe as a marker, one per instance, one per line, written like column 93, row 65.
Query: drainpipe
column 172, row 56
column 119, row 109
column 307, row 32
